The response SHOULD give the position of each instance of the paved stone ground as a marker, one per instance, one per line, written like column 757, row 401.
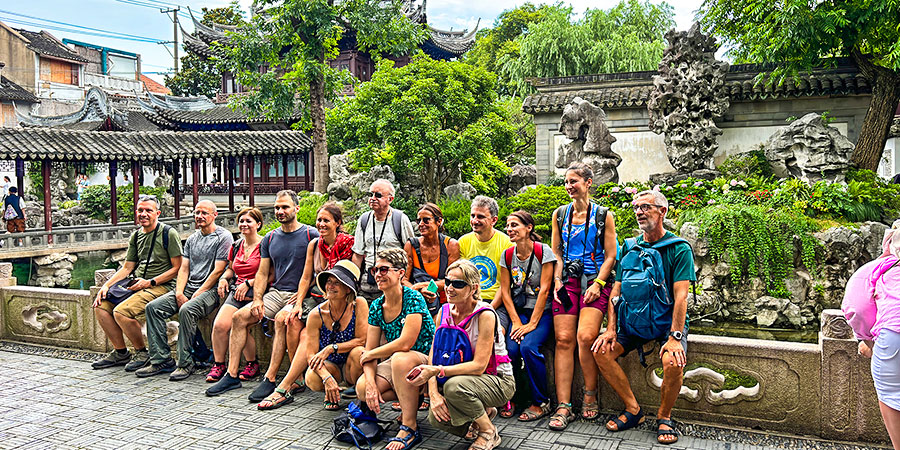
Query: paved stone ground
column 50, row 398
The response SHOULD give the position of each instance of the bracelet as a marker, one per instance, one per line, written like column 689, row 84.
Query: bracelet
column 602, row 283
column 441, row 372
column 326, row 378
column 247, row 282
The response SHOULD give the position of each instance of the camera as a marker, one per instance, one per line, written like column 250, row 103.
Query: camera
column 573, row 268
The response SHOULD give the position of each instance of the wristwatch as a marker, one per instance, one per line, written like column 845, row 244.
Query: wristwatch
column 677, row 335
column 153, row 282
column 334, row 347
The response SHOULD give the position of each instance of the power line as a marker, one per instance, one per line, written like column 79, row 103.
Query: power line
column 76, row 31
column 154, row 5
column 80, row 26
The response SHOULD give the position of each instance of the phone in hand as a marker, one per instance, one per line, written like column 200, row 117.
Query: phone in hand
column 413, row 373
column 432, row 287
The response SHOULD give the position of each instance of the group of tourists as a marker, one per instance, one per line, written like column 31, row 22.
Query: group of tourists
column 425, row 321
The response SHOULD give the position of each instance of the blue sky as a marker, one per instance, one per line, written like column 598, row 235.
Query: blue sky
column 141, row 20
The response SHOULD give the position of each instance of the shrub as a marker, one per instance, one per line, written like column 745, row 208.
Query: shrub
column 746, row 164
column 456, row 216
column 68, row 204
column 95, row 198
column 540, row 201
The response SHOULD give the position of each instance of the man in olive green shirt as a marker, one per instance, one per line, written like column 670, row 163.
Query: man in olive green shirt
column 153, row 277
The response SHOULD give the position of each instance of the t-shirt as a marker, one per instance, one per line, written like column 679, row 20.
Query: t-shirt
column 677, row 259
column 202, row 252
column 577, row 245
column 517, row 273
column 245, row 269
column 486, row 257
column 379, row 235
column 413, row 303
column 287, row 252
column 160, row 260
column 500, row 352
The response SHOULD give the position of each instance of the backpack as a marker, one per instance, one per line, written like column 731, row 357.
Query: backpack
column 518, row 292
column 165, row 238
column 452, row 344
column 645, row 308
column 599, row 222
column 357, row 425
column 396, row 221
column 419, row 274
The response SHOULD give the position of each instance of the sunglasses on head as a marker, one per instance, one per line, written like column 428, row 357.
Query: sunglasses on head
column 457, row 284
column 383, row 270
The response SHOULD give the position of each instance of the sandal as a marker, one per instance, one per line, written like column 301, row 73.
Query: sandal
column 590, row 411
column 472, row 433
column 561, row 420
column 297, row 388
column 492, row 440
column 631, row 420
column 332, row 406
column 410, row 440
column 530, row 416
column 508, row 410
column 670, row 432
column 276, row 400
column 424, row 404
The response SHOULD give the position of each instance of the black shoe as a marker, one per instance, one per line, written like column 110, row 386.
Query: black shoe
column 349, row 393
column 225, row 384
column 265, row 389
column 140, row 360
column 114, row 358
column 167, row 366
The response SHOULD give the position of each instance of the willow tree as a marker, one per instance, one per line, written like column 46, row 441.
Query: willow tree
column 283, row 55
column 800, row 35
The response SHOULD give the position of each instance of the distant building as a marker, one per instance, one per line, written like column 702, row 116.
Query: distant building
column 10, row 95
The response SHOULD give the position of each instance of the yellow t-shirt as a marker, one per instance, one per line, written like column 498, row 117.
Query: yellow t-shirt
column 486, row 257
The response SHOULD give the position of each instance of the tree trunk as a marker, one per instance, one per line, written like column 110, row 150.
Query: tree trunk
column 877, row 123
column 319, row 137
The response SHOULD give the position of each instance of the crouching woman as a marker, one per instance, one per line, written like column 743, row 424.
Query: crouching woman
column 465, row 396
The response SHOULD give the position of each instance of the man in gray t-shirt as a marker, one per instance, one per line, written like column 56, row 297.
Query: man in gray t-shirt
column 195, row 296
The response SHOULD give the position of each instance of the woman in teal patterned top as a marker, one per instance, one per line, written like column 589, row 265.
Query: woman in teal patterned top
column 401, row 317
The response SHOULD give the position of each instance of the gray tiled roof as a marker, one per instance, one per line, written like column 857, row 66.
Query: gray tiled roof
column 44, row 44
column 61, row 144
column 633, row 89
column 12, row 92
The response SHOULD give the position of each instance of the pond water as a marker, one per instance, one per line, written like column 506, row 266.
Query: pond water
column 82, row 270
column 745, row 330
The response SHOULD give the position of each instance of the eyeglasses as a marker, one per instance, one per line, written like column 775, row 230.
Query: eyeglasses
column 382, row 270
column 457, row 284
column 425, row 220
column 644, row 207
column 376, row 194
column 146, row 197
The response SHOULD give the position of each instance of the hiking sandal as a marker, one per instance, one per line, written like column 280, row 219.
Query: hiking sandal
column 660, row 433
column 331, row 406
column 276, row 400
column 590, row 411
column 561, row 420
column 472, row 434
column 530, row 416
column 410, row 440
column 508, row 410
column 491, row 439
column 631, row 420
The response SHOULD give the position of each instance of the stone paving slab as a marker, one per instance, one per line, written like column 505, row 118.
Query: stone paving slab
column 54, row 403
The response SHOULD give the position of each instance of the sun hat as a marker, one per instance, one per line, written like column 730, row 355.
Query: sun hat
column 345, row 271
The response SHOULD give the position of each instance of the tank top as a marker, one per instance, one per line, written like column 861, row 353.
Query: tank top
column 576, row 245
column 504, row 367
column 328, row 337
column 433, row 268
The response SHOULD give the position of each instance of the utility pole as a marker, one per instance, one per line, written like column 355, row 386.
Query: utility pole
column 174, row 12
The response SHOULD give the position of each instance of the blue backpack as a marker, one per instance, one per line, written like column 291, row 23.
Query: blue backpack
column 645, row 307
column 452, row 344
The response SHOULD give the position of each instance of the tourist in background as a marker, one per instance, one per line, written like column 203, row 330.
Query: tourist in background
column 205, row 255
column 472, row 390
column 236, row 287
column 400, row 319
column 650, row 208
column 153, row 261
column 4, row 189
column 14, row 211
column 379, row 229
column 526, row 281
column 872, row 307
column 429, row 256
column 332, row 245
column 584, row 241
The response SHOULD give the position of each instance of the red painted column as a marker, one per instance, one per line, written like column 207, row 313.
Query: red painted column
column 135, row 186
column 229, row 179
column 195, row 175
column 250, row 173
column 176, row 189
column 113, row 195
column 284, row 171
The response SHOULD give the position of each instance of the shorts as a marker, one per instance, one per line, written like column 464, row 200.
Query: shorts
column 275, row 301
column 886, row 367
column 231, row 301
column 383, row 369
column 15, row 225
column 630, row 343
column 576, row 294
column 133, row 307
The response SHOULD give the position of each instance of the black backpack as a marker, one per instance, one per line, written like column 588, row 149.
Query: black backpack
column 357, row 425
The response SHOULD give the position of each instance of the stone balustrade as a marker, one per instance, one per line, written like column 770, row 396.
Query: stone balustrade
column 822, row 389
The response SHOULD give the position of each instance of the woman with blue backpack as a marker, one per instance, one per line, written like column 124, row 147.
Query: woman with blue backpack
column 584, row 241
column 399, row 339
column 526, row 279
column 470, row 375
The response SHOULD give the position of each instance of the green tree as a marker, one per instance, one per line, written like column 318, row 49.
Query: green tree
column 434, row 120
column 296, row 38
column 627, row 37
column 198, row 75
column 798, row 34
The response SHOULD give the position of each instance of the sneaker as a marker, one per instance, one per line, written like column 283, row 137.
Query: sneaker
column 140, row 360
column 167, row 366
column 215, row 374
column 349, row 393
column 114, row 358
column 226, row 384
column 265, row 389
column 182, row 373
column 251, row 370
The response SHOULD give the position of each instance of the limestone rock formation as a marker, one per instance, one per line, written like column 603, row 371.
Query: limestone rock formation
column 54, row 270
column 810, row 150
column 583, row 122
column 461, row 190
column 688, row 96
column 522, row 175
column 344, row 184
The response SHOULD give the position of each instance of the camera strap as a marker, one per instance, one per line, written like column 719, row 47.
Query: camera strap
column 587, row 219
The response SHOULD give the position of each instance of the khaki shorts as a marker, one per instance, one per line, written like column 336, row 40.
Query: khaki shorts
column 276, row 301
column 383, row 369
column 133, row 307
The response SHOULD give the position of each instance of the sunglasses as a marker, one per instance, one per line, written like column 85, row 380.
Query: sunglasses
column 457, row 284
column 376, row 194
column 383, row 270
column 425, row 220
